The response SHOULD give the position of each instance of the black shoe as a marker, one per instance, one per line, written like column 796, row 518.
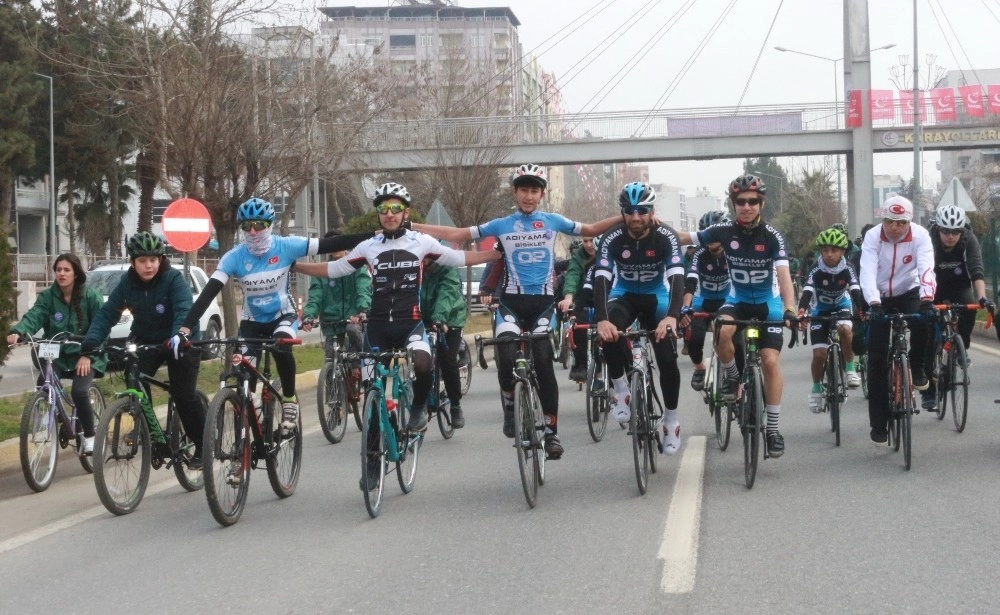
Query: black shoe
column 553, row 449
column 928, row 400
column 373, row 471
column 508, row 420
column 418, row 419
column 920, row 381
column 457, row 418
column 879, row 436
column 698, row 380
column 775, row 445
column 578, row 373
column 195, row 462
column 730, row 384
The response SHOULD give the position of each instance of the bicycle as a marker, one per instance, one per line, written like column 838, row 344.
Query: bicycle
column 529, row 424
column 464, row 366
column 130, row 439
column 239, row 432
column 861, row 361
column 719, row 409
column 597, row 396
column 384, row 437
column 749, row 403
column 834, row 371
column 644, row 418
column 902, row 402
column 560, row 339
column 950, row 370
column 338, row 390
column 437, row 401
column 45, row 419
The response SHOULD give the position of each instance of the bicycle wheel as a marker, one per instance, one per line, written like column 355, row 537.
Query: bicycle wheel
column 409, row 452
column 721, row 411
column 862, row 364
column 597, row 398
column 905, row 410
column 39, row 442
column 226, row 454
column 525, row 439
column 637, row 426
column 834, row 383
column 959, row 384
column 753, row 412
column 654, row 444
column 284, row 455
column 895, row 401
column 464, row 366
column 331, row 401
column 941, row 371
column 183, row 449
column 98, row 404
column 122, row 456
column 443, row 409
column 372, row 453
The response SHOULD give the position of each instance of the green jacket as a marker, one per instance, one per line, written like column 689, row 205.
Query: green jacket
column 158, row 307
column 54, row 315
column 441, row 297
column 576, row 272
column 338, row 299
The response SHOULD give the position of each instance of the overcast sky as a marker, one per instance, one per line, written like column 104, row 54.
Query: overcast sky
column 719, row 75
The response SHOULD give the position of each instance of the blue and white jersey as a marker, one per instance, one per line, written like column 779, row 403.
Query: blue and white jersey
column 264, row 279
column 710, row 276
column 529, row 248
column 831, row 287
column 753, row 258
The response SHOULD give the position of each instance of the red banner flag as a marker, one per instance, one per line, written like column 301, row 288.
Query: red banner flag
column 943, row 100
column 993, row 91
column 906, row 102
column 972, row 98
column 854, row 109
column 880, row 102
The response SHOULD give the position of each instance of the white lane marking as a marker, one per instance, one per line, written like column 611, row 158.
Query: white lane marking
column 986, row 349
column 679, row 548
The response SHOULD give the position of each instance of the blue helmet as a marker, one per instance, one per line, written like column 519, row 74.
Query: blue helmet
column 255, row 209
column 637, row 193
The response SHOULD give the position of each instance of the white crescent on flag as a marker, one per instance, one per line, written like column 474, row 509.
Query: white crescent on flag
column 996, row 99
column 975, row 98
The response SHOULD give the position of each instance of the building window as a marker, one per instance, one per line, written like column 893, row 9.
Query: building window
column 426, row 40
column 452, row 41
column 397, row 41
column 963, row 162
column 501, row 40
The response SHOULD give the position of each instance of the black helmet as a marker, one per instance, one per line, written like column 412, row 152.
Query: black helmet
column 747, row 183
column 712, row 218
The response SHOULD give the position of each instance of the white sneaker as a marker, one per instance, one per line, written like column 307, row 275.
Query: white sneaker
column 815, row 403
column 620, row 409
column 671, row 439
column 853, row 380
column 88, row 446
column 289, row 415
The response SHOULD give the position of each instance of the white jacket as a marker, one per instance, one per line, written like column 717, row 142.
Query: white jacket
column 891, row 269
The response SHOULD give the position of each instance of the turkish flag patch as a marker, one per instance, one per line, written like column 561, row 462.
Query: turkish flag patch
column 758, row 248
column 272, row 261
column 650, row 253
column 537, row 224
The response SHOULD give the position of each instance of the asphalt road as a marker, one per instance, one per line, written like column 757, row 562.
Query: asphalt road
column 825, row 529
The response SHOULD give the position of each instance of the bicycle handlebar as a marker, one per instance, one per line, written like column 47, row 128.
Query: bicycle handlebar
column 267, row 341
column 753, row 322
column 515, row 339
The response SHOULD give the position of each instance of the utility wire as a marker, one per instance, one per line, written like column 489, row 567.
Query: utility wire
column 759, row 53
column 958, row 40
column 987, row 7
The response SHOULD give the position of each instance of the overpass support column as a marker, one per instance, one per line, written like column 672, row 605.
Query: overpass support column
column 857, row 76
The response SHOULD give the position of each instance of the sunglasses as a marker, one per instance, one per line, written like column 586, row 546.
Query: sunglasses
column 950, row 231
column 888, row 222
column 390, row 208
column 642, row 210
column 254, row 225
column 750, row 201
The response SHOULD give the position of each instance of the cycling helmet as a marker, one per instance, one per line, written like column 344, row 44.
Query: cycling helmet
column 255, row 209
column 637, row 193
column 840, row 226
column 575, row 245
column 832, row 237
column 529, row 175
column 747, row 183
column 712, row 218
column 391, row 190
column 144, row 243
column 950, row 217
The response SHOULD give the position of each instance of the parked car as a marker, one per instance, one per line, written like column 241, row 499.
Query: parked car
column 473, row 285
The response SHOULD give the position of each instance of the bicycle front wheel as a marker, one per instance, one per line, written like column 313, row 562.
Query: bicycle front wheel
column 409, row 451
column 226, row 452
column 122, row 456
column 905, row 410
column 942, row 374
column 597, row 399
column 98, row 404
column 526, row 442
column 331, row 402
column 834, row 383
column 39, row 442
column 753, row 426
column 959, row 384
column 720, row 410
column 372, row 454
column 284, row 454
column 638, row 427
column 464, row 366
column 862, row 363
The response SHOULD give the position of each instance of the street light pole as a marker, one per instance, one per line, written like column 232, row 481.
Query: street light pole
column 53, row 239
column 917, row 132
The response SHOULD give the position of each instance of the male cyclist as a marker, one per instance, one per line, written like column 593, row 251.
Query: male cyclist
column 835, row 288
column 261, row 264
column 897, row 275
column 705, row 290
column 958, row 267
column 580, row 298
column 527, row 301
column 637, row 260
column 762, row 284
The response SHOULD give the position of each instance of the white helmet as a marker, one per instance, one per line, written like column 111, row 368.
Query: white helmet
column 529, row 175
column 391, row 190
column 950, row 216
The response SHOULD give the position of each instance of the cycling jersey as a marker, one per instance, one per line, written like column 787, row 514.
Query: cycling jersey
column 396, row 261
column 639, row 266
column 753, row 257
column 892, row 269
column 830, row 289
column 707, row 278
column 265, row 279
column 955, row 270
column 529, row 248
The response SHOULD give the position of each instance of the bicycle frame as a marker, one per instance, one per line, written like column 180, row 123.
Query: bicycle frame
column 52, row 386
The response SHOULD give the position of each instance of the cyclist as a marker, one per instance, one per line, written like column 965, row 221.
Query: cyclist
column 159, row 299
column 338, row 300
column 527, row 296
column 762, row 284
column 577, row 296
column 958, row 267
column 641, row 263
column 831, row 287
column 897, row 275
column 443, row 304
column 68, row 306
column 262, row 264
column 705, row 290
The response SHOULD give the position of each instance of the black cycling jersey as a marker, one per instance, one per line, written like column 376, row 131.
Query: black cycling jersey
column 637, row 266
column 752, row 257
column 707, row 277
column 959, row 267
column 834, row 288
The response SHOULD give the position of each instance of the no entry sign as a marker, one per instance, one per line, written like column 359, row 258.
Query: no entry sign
column 186, row 225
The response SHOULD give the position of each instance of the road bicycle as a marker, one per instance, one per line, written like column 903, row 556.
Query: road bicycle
column 438, row 403
column 597, row 396
column 645, row 407
column 834, row 370
column 529, row 424
column 902, row 400
column 951, row 370
column 464, row 366
column 130, row 439
column 749, row 403
column 384, row 437
column 861, row 361
column 242, row 429
column 560, row 339
column 722, row 412
column 49, row 418
column 338, row 389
